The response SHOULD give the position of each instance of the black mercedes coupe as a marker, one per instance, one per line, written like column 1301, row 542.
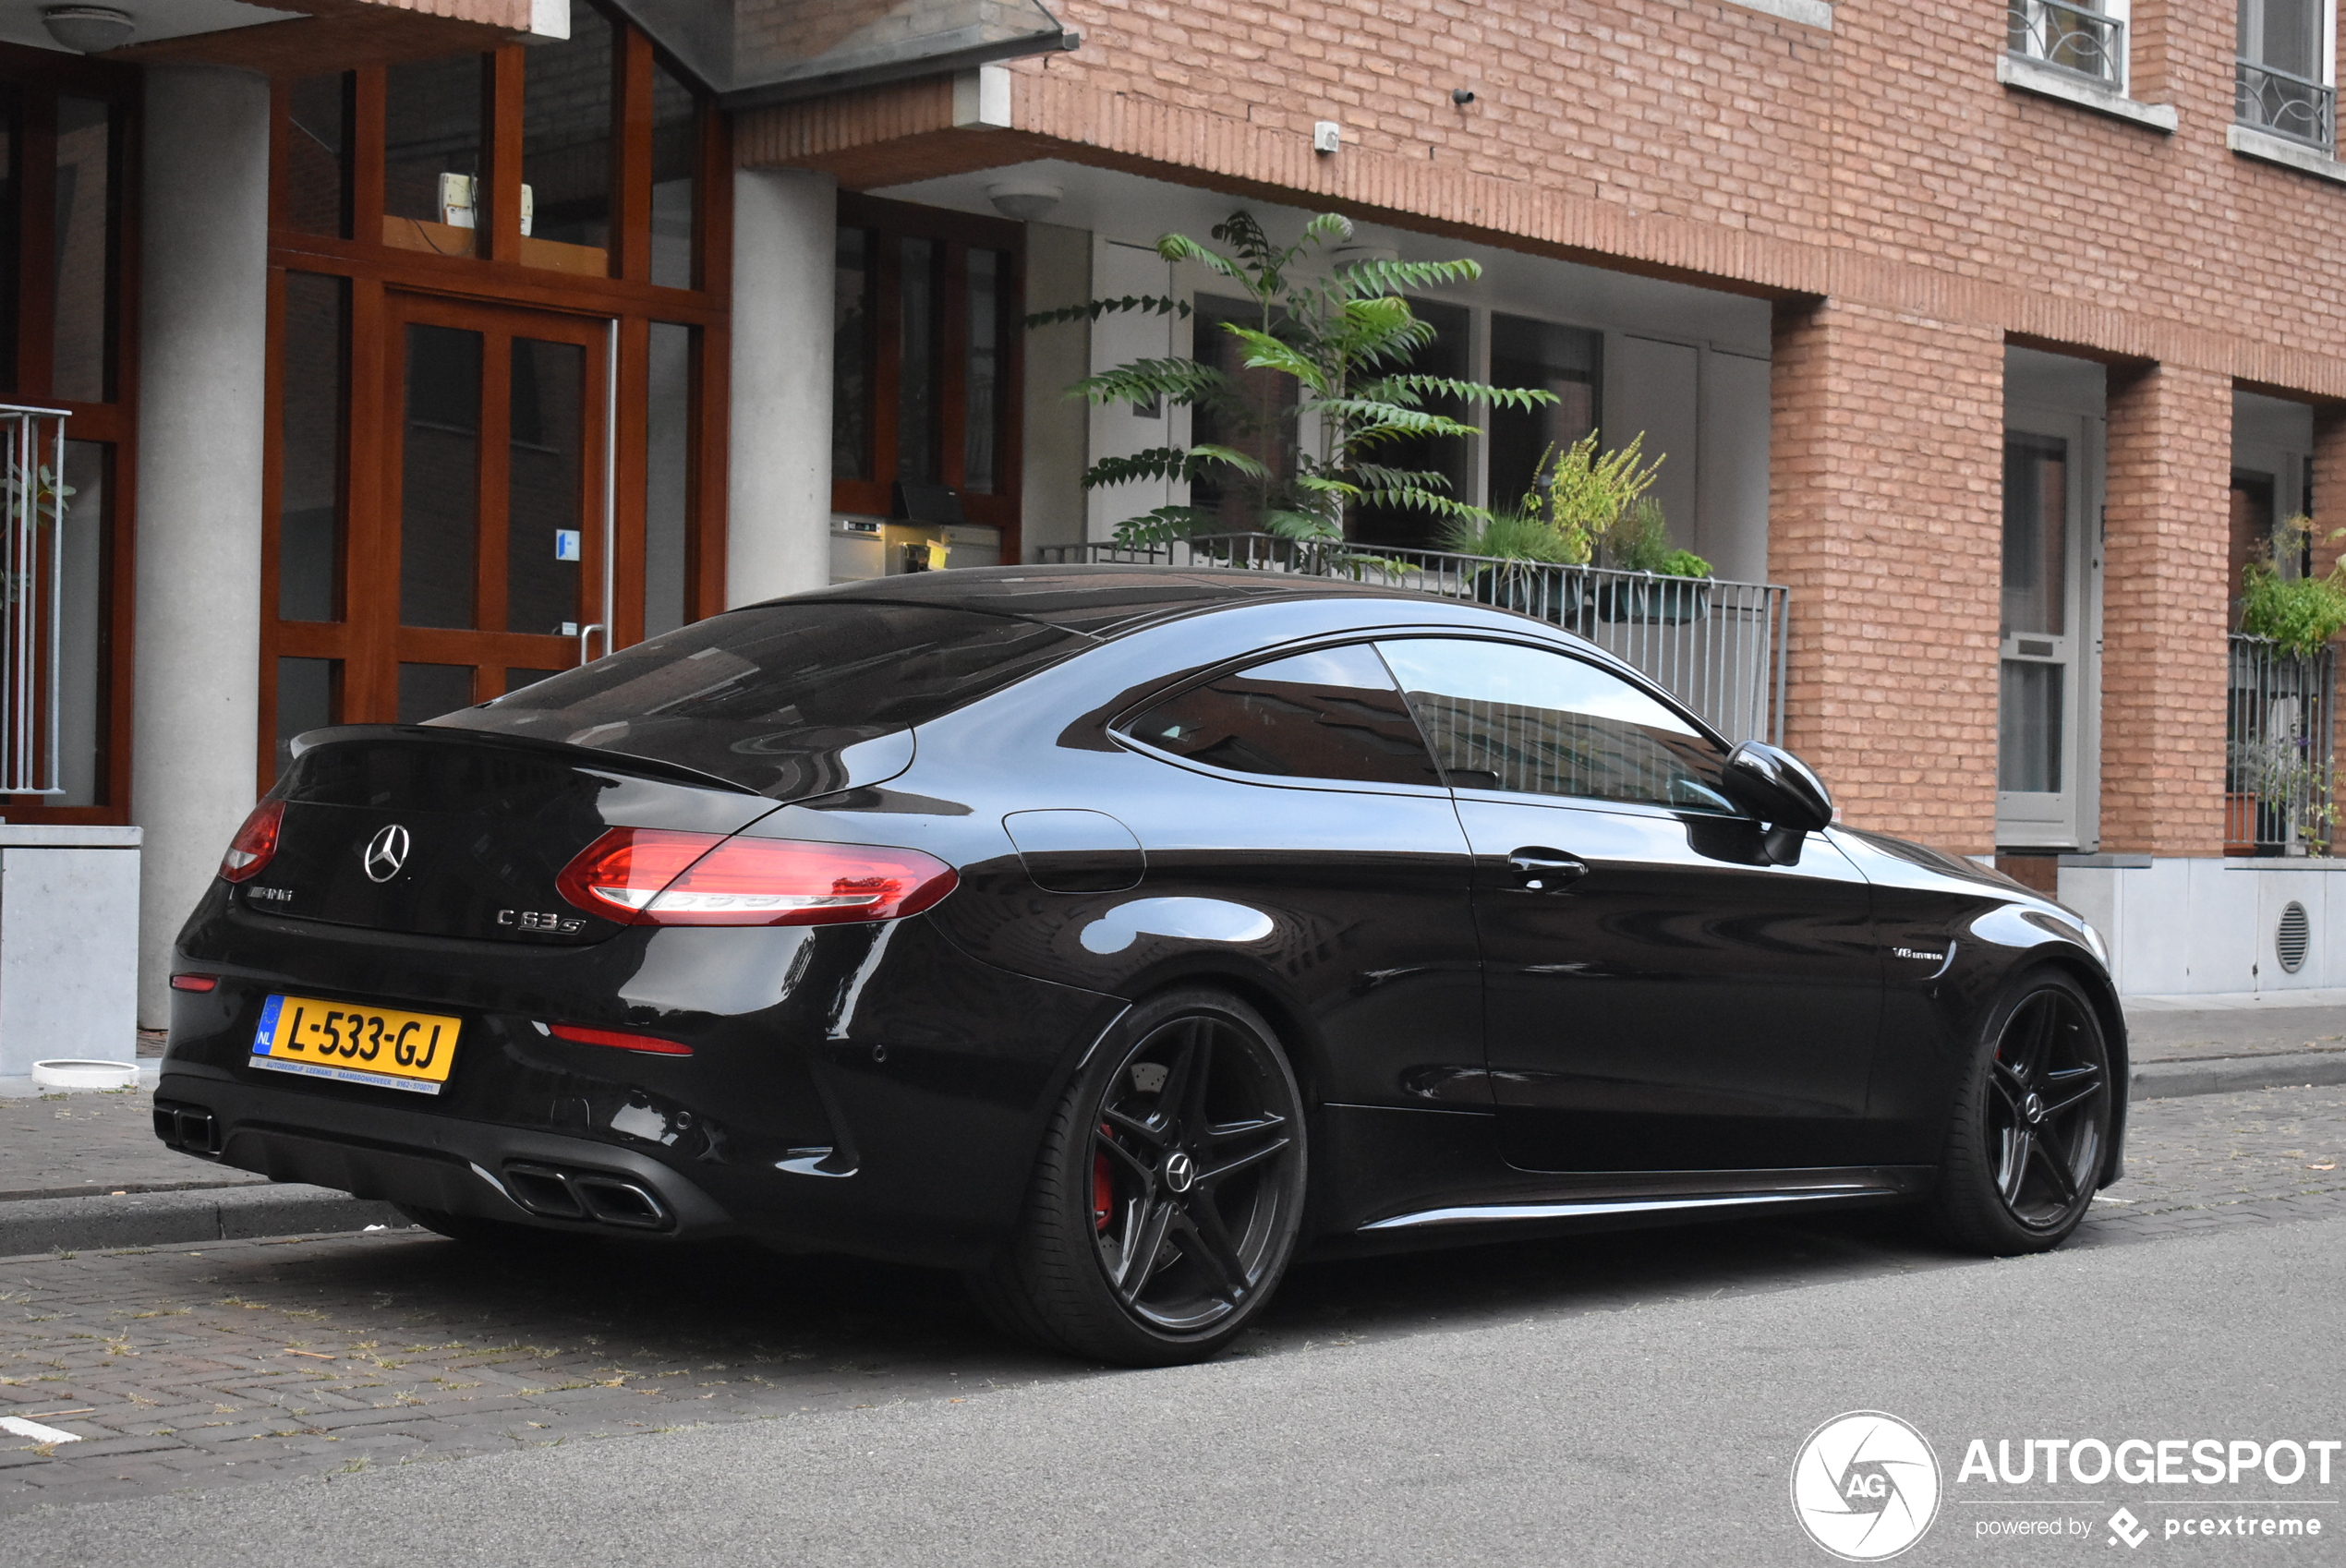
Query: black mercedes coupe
column 1111, row 935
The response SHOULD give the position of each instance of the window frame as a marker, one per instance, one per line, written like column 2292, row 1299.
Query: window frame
column 378, row 274
column 1119, row 727
column 36, row 77
column 958, row 233
column 1629, row 676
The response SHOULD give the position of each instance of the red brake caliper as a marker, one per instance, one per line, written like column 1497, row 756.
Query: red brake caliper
column 1103, row 1186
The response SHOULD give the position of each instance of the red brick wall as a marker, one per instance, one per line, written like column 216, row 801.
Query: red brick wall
column 2166, row 607
column 1880, row 161
column 1885, row 520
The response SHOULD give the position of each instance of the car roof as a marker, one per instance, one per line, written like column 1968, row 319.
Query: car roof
column 1100, row 601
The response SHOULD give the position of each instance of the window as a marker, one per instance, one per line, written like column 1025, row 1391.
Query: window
column 924, row 348
column 2085, row 36
column 1333, row 714
column 2282, row 83
column 1563, row 360
column 751, row 696
column 1504, row 717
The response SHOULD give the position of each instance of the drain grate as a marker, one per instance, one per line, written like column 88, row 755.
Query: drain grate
column 2291, row 936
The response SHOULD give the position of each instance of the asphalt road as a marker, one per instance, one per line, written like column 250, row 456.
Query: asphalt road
column 1663, row 1431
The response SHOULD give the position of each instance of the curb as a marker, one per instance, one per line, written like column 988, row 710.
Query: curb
column 2229, row 1075
column 36, row 1226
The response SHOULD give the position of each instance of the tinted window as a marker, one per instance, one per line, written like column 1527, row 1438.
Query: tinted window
column 748, row 696
column 1335, row 713
column 1505, row 716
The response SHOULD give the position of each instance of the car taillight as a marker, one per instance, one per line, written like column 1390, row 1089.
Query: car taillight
column 583, row 1036
column 659, row 877
column 195, row 983
column 256, row 841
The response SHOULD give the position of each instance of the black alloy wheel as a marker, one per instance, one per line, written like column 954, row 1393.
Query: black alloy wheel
column 2029, row 1139
column 1169, row 1192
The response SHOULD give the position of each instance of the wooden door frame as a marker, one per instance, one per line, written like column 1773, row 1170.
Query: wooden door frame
column 380, row 643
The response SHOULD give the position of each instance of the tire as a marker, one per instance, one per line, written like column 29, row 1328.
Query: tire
column 2031, row 1126
column 1167, row 1196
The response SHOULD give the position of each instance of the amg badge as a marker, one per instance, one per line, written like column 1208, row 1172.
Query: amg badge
column 547, row 920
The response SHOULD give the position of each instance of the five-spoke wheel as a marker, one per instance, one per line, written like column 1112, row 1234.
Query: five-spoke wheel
column 1169, row 1195
column 2031, row 1130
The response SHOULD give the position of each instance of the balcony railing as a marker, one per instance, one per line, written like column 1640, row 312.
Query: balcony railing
column 32, row 514
column 1717, row 647
column 2268, row 99
column 2278, row 730
column 2072, row 37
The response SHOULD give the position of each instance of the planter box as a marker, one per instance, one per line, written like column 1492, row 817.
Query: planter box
column 1668, row 600
column 1552, row 592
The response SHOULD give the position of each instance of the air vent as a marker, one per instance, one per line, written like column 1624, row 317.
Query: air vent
column 2291, row 937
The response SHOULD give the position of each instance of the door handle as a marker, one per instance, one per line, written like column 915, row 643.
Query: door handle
column 1540, row 870
column 585, row 632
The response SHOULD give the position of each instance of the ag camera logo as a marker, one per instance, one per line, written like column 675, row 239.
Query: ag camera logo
column 1865, row 1486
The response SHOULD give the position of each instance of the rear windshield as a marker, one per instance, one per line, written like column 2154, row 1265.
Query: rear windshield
column 755, row 695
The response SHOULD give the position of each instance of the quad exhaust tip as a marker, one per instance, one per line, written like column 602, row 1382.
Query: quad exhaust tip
column 555, row 1192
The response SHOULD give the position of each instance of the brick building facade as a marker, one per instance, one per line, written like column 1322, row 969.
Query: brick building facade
column 1868, row 269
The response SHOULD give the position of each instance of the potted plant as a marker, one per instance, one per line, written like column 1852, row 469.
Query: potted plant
column 1679, row 588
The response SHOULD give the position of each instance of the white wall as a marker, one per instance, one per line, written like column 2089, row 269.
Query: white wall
column 1056, row 434
column 2207, row 927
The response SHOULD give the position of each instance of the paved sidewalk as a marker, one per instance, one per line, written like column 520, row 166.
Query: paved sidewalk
column 319, row 1355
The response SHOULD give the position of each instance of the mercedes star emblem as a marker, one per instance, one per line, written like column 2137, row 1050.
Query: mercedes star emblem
column 385, row 853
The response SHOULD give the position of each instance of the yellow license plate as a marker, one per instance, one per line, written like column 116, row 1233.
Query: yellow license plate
column 356, row 1045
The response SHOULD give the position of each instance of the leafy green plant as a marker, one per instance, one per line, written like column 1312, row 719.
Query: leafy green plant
column 2299, row 614
column 1509, row 536
column 1343, row 334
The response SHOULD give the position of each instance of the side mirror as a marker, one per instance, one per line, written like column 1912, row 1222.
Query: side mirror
column 1777, row 788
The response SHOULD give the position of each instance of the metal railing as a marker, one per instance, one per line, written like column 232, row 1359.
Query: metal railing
column 33, row 575
column 2278, row 720
column 2269, row 99
column 2076, row 38
column 1717, row 647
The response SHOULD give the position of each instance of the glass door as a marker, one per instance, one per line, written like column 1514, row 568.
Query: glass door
column 2045, row 794
column 493, row 563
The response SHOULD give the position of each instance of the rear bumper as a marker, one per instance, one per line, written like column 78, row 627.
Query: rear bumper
column 863, row 1089
column 432, row 1162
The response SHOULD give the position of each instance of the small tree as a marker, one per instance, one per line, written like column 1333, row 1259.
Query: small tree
column 1344, row 335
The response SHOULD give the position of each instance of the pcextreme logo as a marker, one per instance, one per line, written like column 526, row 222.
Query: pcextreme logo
column 1865, row 1486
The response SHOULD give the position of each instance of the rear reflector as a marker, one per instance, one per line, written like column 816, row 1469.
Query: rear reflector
column 194, row 982
column 619, row 1038
column 256, row 841
column 656, row 876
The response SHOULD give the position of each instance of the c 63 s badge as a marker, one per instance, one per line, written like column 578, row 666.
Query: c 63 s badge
column 548, row 922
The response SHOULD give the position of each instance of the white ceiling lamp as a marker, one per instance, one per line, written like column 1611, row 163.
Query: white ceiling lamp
column 1024, row 200
column 89, row 30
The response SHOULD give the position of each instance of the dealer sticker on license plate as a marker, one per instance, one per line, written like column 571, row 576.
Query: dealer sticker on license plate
column 356, row 1045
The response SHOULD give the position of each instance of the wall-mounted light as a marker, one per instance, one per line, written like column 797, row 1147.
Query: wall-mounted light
column 89, row 30
column 1024, row 200
column 1327, row 136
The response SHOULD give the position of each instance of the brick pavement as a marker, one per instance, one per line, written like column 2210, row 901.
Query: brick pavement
column 95, row 1142
column 218, row 1362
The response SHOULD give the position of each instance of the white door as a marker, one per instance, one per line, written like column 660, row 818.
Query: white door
column 1120, row 429
column 2048, row 784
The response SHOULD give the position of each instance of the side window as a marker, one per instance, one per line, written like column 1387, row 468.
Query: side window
column 1503, row 717
column 1333, row 714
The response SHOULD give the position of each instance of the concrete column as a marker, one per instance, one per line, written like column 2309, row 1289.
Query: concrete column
column 2166, row 607
column 203, row 364
column 778, row 514
column 1885, row 467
